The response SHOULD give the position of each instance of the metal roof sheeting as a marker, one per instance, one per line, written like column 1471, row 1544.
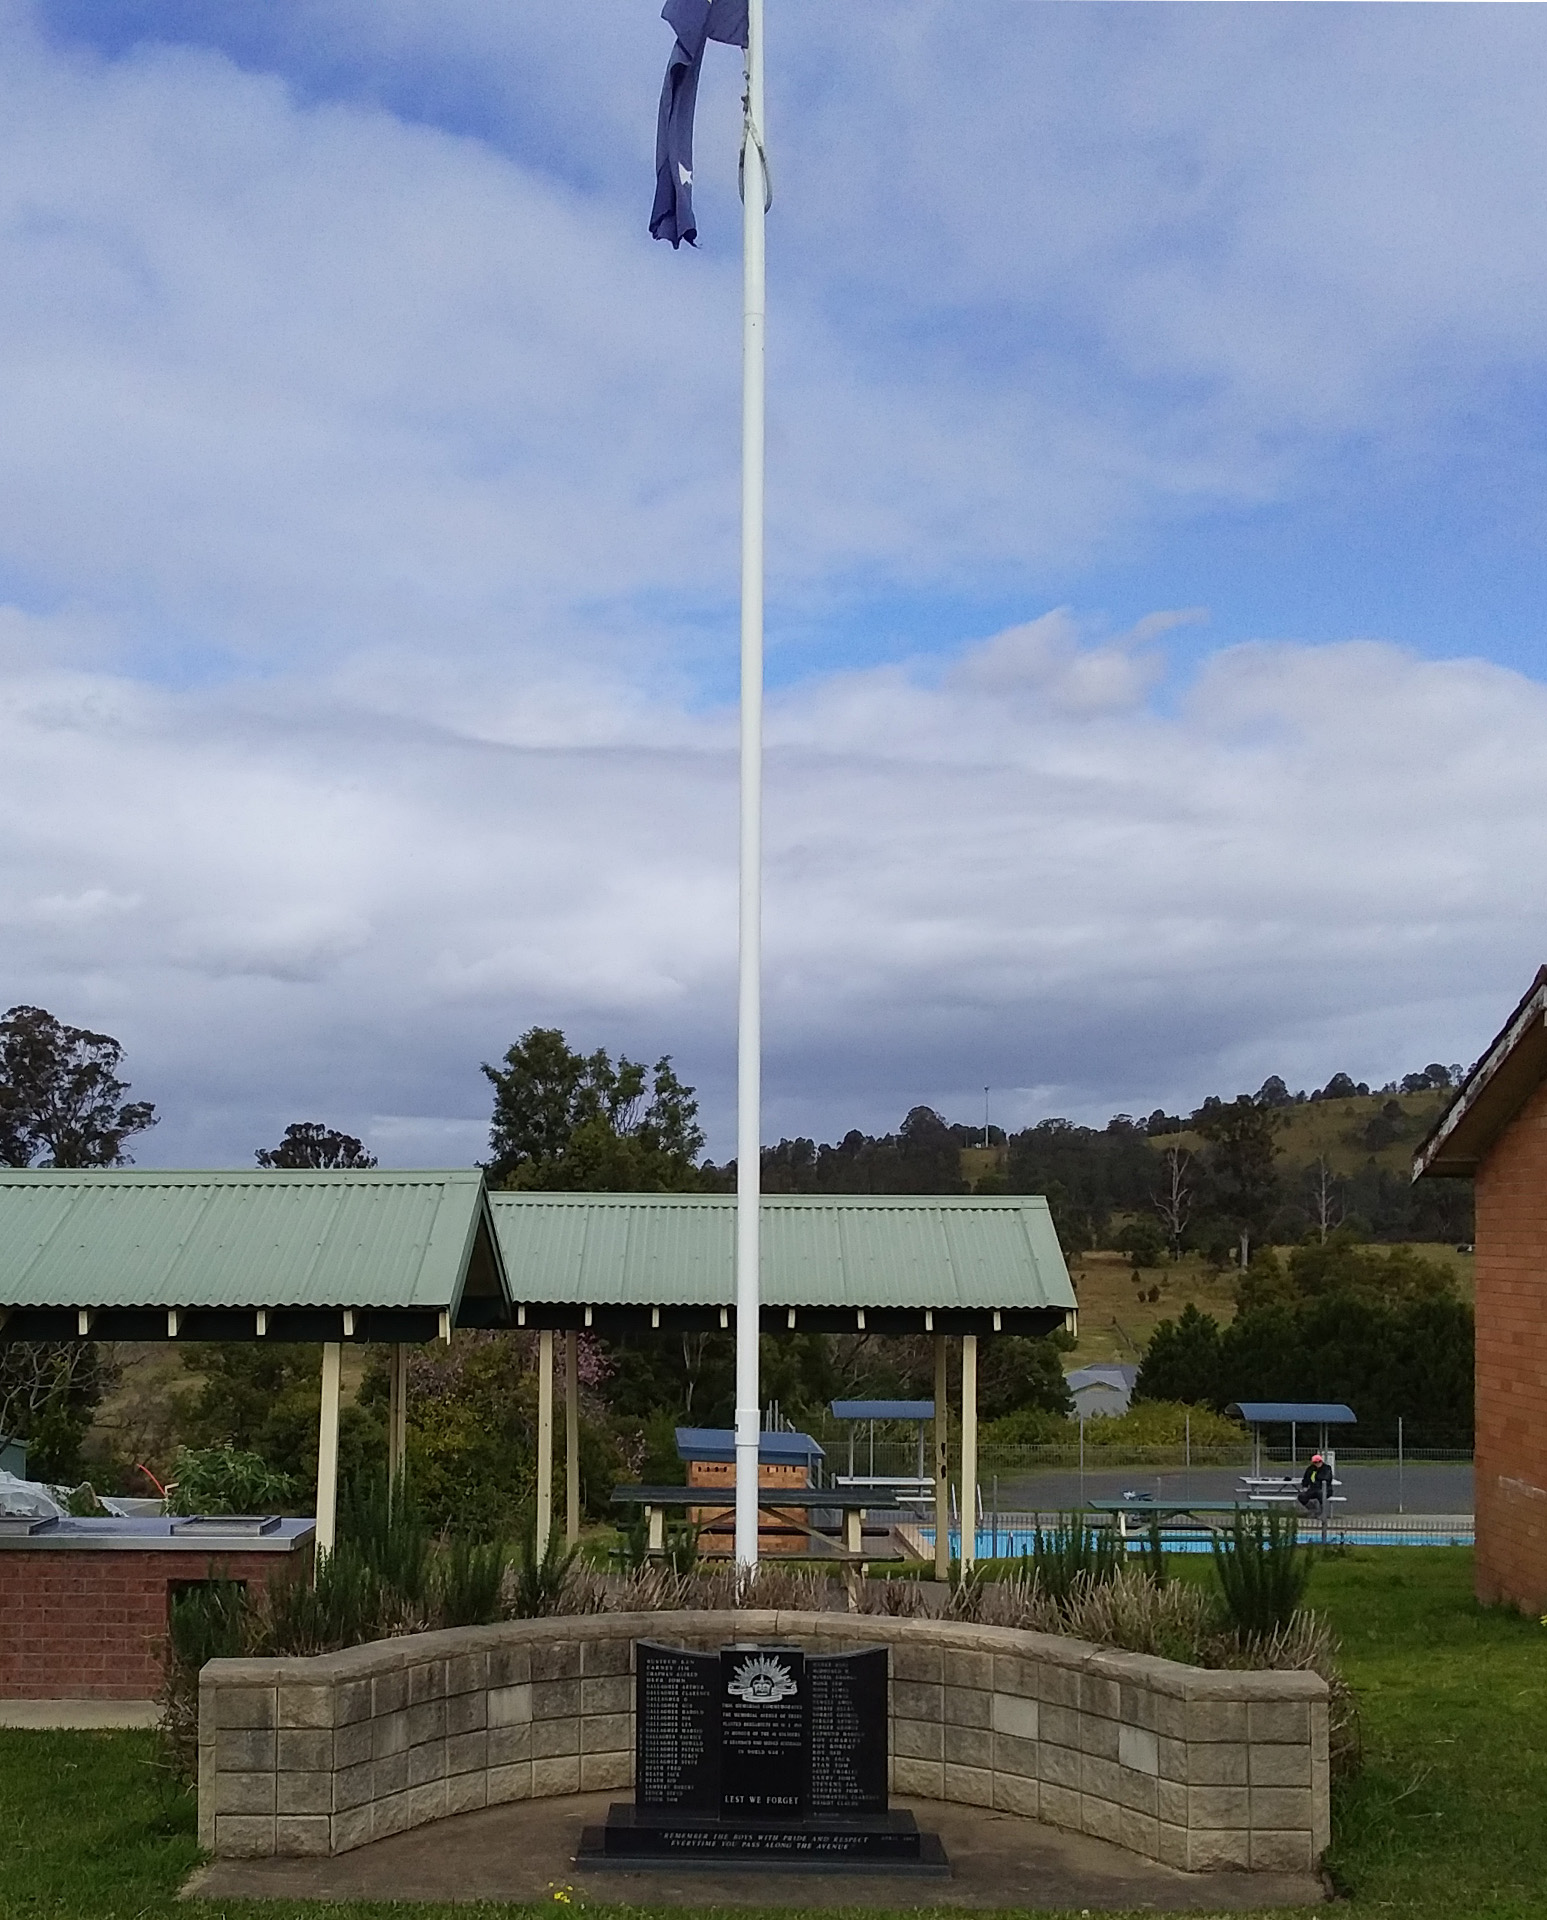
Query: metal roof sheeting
column 818, row 1250
column 1305, row 1413
column 883, row 1409
column 325, row 1238
column 718, row 1444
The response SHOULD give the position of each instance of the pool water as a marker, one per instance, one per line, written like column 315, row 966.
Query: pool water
column 1011, row 1542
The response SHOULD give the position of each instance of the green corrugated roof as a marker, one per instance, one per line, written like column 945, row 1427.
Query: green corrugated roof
column 136, row 1237
column 818, row 1250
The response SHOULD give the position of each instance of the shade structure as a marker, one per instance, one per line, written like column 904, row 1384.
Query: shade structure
column 718, row 1444
column 328, row 1255
column 831, row 1263
column 883, row 1409
column 1302, row 1413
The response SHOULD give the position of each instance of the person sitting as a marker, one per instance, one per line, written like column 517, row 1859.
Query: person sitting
column 1316, row 1486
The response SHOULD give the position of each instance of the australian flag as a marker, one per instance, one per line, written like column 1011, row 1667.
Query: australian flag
column 695, row 22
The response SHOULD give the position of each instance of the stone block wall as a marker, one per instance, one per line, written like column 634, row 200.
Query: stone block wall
column 1201, row 1770
column 1511, row 1450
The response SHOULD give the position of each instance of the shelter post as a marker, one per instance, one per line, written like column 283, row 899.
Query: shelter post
column 571, row 1437
column 942, row 1461
column 397, row 1419
column 969, row 1549
column 544, row 1441
column 327, row 1447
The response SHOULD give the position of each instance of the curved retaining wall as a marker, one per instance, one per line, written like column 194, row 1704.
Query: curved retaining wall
column 1199, row 1769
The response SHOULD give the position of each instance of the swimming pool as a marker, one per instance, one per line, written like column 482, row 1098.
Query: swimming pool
column 1009, row 1543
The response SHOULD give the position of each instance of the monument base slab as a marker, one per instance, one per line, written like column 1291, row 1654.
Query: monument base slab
column 873, row 1843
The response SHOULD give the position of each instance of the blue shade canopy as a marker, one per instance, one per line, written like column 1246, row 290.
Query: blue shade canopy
column 773, row 1449
column 883, row 1409
column 1304, row 1413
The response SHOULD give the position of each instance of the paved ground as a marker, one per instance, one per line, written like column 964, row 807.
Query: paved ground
column 1440, row 1486
column 78, row 1713
column 525, row 1852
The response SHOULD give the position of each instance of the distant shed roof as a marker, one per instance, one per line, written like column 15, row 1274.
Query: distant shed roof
column 890, row 1263
column 1510, row 1071
column 1283, row 1413
column 137, row 1254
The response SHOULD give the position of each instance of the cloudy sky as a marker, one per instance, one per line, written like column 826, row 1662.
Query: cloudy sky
column 1156, row 536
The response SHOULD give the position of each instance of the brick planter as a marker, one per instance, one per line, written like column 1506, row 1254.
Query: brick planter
column 1198, row 1769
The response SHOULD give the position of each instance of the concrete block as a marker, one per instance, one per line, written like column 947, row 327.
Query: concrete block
column 1100, row 1696
column 1218, row 1807
column 1103, row 1819
column 599, row 1771
column 353, row 1743
column 509, row 1667
column 427, row 1803
column 353, row 1786
column 467, row 1752
column 1058, row 1686
column 924, row 1779
column 973, row 1670
column 244, row 1793
column 1216, row 1764
column 969, row 1747
column 245, row 1707
column 351, row 1702
column 968, row 1707
column 558, row 1773
column 969, row 1786
column 1172, row 1849
column 303, row 1835
column 1059, row 1807
column 390, row 1775
column 918, row 1700
column 510, row 1706
column 1101, row 1779
column 1061, row 1725
column 555, row 1699
column 1282, row 1808
column 1281, row 1852
column 303, row 1706
column 466, row 1792
column 1136, row 1706
column 550, row 1737
column 426, row 1721
column 466, row 1713
column 1170, row 1716
column 508, row 1745
column 1015, row 1757
column 353, row 1829
column 389, row 1692
column 389, row 1734
column 915, row 1661
column 1139, row 1749
column 1279, row 1766
column 1171, row 1758
column 244, row 1749
column 244, row 1836
column 556, row 1660
column 1099, row 1737
column 1171, row 1802
column 606, row 1732
column 1058, row 1766
column 1216, row 1720
column 426, row 1681
column 467, row 1673
column 1017, row 1676
column 1138, row 1791
column 302, row 1749
column 392, row 1815
column 918, row 1739
column 612, row 1693
column 1217, row 1851
column 1279, row 1720
column 1014, row 1714
column 510, row 1783
column 1139, row 1833
column 1017, row 1794
column 426, row 1762
column 304, row 1793
column 599, row 1658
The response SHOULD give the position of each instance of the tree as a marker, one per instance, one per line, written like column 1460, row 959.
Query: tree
column 307, row 1143
column 61, row 1100
column 1327, row 1208
column 575, row 1122
column 1174, row 1200
column 1240, row 1164
column 1182, row 1361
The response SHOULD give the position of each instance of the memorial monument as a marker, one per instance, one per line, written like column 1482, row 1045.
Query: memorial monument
column 765, row 1754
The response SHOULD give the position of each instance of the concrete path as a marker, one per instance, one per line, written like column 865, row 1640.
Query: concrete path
column 86, row 1714
column 524, row 1852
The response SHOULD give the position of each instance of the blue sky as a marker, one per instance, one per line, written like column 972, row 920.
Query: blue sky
column 1155, row 543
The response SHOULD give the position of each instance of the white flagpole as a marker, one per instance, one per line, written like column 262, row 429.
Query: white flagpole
column 749, row 1034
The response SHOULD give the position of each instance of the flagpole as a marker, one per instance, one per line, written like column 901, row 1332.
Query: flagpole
column 749, row 1036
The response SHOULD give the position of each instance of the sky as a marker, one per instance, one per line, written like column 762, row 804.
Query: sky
column 1157, row 484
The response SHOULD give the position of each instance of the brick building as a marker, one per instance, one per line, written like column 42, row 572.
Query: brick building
column 1495, row 1133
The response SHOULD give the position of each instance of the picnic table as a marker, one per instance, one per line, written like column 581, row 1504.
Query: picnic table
column 788, row 1506
column 1146, row 1507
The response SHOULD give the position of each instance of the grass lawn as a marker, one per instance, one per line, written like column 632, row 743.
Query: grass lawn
column 1447, row 1822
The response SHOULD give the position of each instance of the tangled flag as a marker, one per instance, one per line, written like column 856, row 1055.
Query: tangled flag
column 695, row 22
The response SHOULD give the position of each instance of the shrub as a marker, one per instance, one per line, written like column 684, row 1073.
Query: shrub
column 469, row 1581
column 226, row 1480
column 1261, row 1572
column 1071, row 1551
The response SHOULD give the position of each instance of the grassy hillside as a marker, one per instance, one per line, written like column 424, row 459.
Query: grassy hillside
column 1378, row 1130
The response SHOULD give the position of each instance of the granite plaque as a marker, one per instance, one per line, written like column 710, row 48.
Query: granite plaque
column 676, row 1728
column 846, row 1720
column 763, row 1740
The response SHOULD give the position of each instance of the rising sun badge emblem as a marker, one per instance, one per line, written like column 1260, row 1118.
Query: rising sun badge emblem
column 763, row 1679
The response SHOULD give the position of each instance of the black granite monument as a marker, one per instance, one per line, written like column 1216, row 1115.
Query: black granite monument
column 761, row 1754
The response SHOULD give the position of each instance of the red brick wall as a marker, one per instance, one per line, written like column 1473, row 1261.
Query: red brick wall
column 79, row 1625
column 1512, row 1363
